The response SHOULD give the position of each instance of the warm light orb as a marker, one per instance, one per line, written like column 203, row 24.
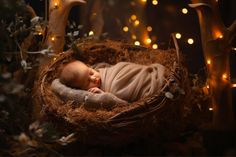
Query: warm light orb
column 207, row 86
column 125, row 29
column 184, row 10
column 224, row 76
column 190, row 41
column 178, row 35
column 137, row 43
column 149, row 28
column 210, row 109
column 218, row 34
column 133, row 37
column 91, row 33
column 233, row 85
column 154, row 46
column 208, row 61
column 148, row 40
column 154, row 2
column 53, row 38
column 136, row 22
column 234, row 48
column 133, row 17
column 55, row 4
column 144, row 1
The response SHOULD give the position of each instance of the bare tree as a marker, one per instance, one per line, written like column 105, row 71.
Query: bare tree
column 216, row 42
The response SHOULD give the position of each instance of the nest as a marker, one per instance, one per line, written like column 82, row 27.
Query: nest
column 158, row 115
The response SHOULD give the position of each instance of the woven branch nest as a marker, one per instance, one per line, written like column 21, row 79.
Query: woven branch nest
column 154, row 115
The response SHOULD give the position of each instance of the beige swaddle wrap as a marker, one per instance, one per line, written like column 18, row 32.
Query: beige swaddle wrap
column 130, row 82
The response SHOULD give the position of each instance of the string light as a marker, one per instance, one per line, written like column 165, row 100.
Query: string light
column 154, row 2
column 125, row 29
column 233, row 85
column 208, row 61
column 133, row 37
column 178, row 35
column 148, row 40
column 210, row 109
column 91, row 33
column 149, row 28
column 190, row 41
column 218, row 34
column 224, row 76
column 55, row 5
column 137, row 43
column 144, row 1
column 133, row 17
column 234, row 48
column 184, row 11
column 136, row 22
column 154, row 46
column 53, row 38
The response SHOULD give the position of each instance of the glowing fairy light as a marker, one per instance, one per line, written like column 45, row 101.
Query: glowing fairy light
column 144, row 1
column 207, row 86
column 137, row 43
column 224, row 76
column 154, row 46
column 134, row 37
column 148, row 40
column 210, row 109
column 234, row 48
column 133, row 17
column 125, row 29
column 178, row 35
column 218, row 34
column 234, row 85
column 190, row 41
column 184, row 10
column 154, row 2
column 91, row 33
column 52, row 38
column 149, row 28
column 55, row 5
column 136, row 22
column 208, row 61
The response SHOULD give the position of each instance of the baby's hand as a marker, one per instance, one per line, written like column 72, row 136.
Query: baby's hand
column 95, row 90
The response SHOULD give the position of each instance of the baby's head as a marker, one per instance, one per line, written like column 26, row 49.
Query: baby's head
column 78, row 75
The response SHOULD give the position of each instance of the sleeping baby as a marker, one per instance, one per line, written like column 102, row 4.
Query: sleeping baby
column 126, row 81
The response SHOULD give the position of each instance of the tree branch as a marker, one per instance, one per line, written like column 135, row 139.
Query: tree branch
column 232, row 31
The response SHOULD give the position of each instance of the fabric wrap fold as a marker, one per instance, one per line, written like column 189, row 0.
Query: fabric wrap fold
column 130, row 81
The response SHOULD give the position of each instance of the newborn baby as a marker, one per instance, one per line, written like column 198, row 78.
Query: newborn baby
column 127, row 81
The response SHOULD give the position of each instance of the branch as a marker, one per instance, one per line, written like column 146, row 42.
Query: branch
column 195, row 5
column 232, row 31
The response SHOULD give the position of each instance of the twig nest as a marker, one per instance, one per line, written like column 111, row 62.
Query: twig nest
column 158, row 114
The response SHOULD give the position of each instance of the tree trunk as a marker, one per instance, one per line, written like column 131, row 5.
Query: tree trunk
column 216, row 42
column 58, row 15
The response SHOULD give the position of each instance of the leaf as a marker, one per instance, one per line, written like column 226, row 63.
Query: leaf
column 169, row 95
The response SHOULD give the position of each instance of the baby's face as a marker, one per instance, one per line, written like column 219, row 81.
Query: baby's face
column 87, row 77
